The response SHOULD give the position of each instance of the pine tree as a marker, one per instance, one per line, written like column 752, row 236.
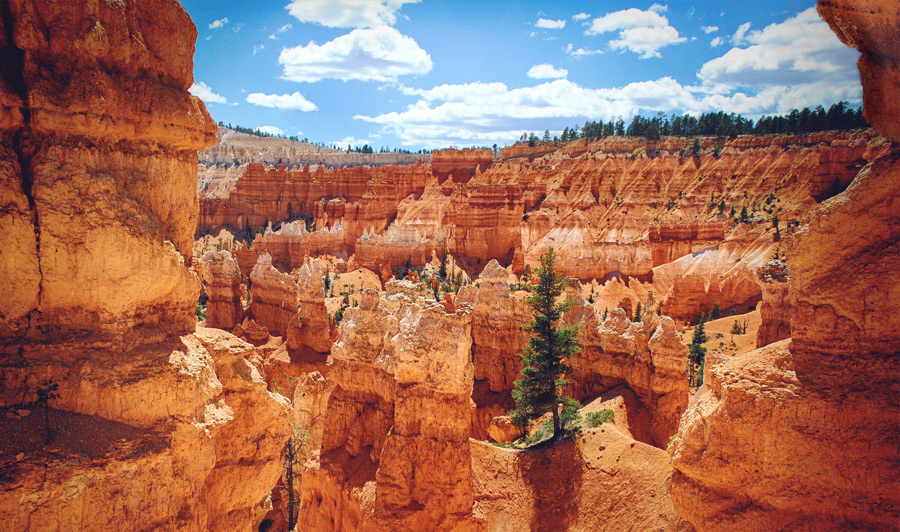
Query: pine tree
column 545, row 356
column 697, row 355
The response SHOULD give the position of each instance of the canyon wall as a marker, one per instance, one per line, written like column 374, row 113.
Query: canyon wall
column 760, row 449
column 617, row 208
column 148, row 425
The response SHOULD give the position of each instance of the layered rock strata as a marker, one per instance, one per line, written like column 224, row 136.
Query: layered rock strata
column 152, row 426
column 761, row 449
column 274, row 296
column 222, row 284
column 395, row 452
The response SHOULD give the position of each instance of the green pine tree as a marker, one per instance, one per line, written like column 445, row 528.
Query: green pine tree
column 545, row 356
column 697, row 355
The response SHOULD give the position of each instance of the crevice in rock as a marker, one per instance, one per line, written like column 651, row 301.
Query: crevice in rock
column 12, row 68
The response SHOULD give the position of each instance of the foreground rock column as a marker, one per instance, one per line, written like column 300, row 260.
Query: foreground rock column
column 395, row 451
column 222, row 278
column 802, row 434
column 154, row 427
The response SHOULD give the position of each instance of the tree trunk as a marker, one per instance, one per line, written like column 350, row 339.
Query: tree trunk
column 555, row 420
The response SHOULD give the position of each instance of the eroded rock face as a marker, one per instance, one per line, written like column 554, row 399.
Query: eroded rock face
column 156, row 426
column 760, row 449
column 274, row 301
column 870, row 26
column 398, row 421
column 109, row 181
column 222, row 283
column 777, row 308
column 648, row 356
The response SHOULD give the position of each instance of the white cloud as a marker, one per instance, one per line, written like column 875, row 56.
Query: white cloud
column 642, row 32
column 347, row 13
column 379, row 54
column 800, row 50
column 201, row 90
column 271, row 130
column 738, row 38
column 578, row 53
column 717, row 41
column 352, row 141
column 646, row 41
column 709, row 29
column 581, row 16
column 483, row 113
column 627, row 18
column 787, row 65
column 279, row 31
column 216, row 24
column 547, row 71
column 294, row 101
column 550, row 24
column 257, row 48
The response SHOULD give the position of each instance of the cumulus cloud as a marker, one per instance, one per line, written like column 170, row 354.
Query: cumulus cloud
column 787, row 65
column 717, row 41
column 581, row 16
column 550, row 24
column 204, row 92
column 294, row 101
column 216, row 24
column 738, row 38
column 709, row 29
column 271, row 130
column 377, row 54
column 642, row 32
column 800, row 50
column 547, row 71
column 348, row 13
column 475, row 113
column 351, row 141
column 578, row 53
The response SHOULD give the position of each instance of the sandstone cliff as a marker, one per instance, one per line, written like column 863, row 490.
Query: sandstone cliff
column 153, row 426
column 398, row 421
column 760, row 449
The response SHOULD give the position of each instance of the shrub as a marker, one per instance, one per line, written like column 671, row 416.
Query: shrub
column 595, row 419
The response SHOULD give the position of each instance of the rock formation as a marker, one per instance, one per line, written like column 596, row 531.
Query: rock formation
column 777, row 309
column 274, row 296
column 222, row 284
column 151, row 425
column 766, row 445
column 395, row 451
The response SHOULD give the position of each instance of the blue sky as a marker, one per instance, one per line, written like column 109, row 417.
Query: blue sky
column 436, row 73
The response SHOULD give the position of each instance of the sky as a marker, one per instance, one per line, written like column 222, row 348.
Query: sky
column 418, row 74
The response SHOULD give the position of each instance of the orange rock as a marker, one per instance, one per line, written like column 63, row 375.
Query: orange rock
column 274, row 301
column 222, row 283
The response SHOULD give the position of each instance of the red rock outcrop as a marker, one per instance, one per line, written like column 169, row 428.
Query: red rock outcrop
column 155, row 425
column 274, row 301
column 648, row 356
column 870, row 27
column 776, row 309
column 760, row 449
column 601, row 479
column 395, row 452
column 463, row 164
column 222, row 283
column 315, row 328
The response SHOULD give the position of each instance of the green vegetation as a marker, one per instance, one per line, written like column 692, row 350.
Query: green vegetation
column 595, row 419
column 294, row 456
column 697, row 355
column 545, row 357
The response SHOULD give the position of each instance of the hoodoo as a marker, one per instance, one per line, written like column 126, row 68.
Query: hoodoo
column 674, row 324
